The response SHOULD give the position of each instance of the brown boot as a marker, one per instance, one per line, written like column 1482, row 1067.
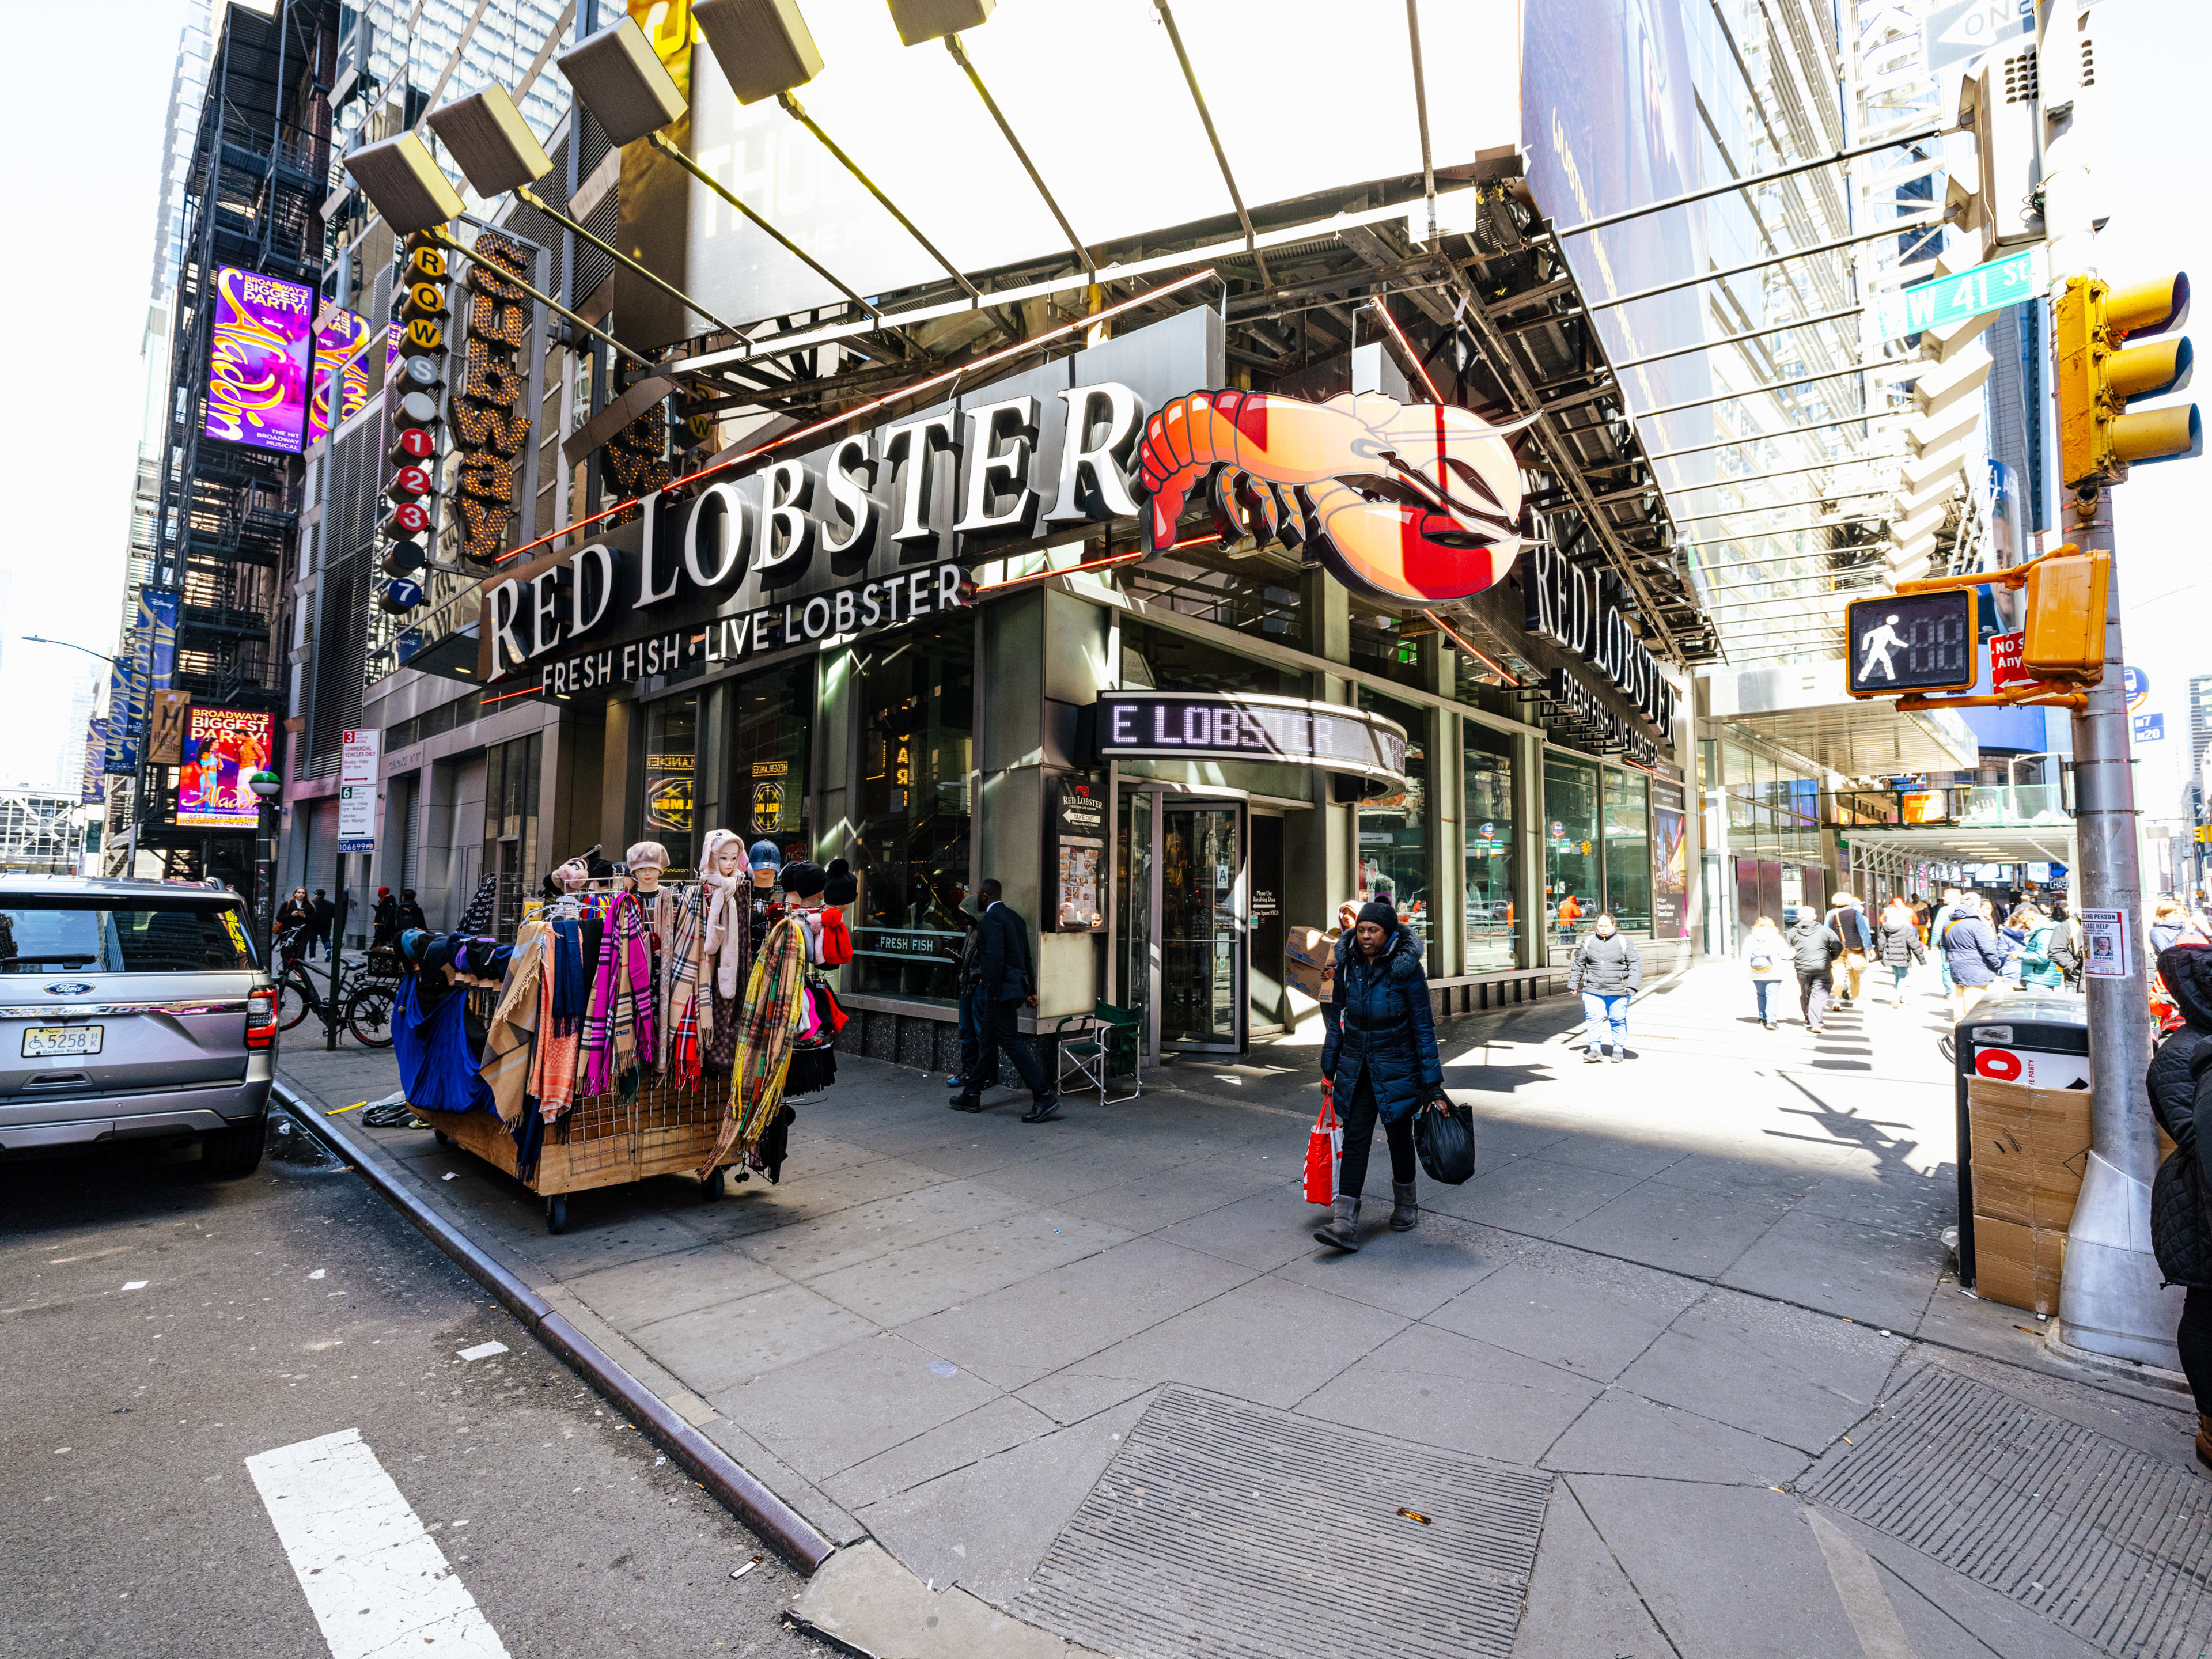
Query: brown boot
column 2204, row 1439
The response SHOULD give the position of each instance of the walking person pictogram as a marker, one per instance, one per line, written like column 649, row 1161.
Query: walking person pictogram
column 1877, row 645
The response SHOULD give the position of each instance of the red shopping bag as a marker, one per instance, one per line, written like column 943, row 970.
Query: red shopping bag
column 1324, row 1147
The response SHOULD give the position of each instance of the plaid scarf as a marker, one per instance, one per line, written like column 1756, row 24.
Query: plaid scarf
column 679, row 976
column 774, row 999
column 622, row 998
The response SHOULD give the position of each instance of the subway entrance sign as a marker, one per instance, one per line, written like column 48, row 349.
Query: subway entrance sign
column 1945, row 300
column 1906, row 642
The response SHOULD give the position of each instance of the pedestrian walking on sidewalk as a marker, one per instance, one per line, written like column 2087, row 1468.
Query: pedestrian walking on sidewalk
column 1006, row 977
column 2180, row 1079
column 1765, row 952
column 1850, row 925
column 2038, row 964
column 1381, row 1056
column 1897, row 942
column 1972, row 955
column 1951, row 905
column 325, row 916
column 1608, row 971
column 1814, row 948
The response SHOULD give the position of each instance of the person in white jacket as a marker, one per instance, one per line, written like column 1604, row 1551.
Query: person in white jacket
column 1767, row 955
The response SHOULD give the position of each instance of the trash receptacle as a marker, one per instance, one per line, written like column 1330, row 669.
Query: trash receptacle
column 2039, row 1038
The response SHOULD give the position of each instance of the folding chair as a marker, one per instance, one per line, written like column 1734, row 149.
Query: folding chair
column 1099, row 1039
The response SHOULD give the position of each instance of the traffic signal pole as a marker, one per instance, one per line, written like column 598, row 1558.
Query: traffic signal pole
column 2110, row 1298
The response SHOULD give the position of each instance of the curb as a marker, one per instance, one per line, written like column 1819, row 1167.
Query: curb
column 785, row 1529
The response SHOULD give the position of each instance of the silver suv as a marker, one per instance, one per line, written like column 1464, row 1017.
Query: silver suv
column 132, row 1010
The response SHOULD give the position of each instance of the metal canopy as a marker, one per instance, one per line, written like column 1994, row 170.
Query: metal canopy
column 1861, row 739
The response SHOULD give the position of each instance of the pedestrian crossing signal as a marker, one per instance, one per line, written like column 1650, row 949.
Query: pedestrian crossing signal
column 1907, row 642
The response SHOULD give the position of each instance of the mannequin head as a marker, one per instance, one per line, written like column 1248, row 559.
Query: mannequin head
column 721, row 854
column 646, row 860
column 802, row 882
column 765, row 862
column 573, row 875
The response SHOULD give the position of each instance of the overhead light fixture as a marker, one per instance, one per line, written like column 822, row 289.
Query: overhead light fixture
column 764, row 46
column 404, row 184
column 922, row 21
column 493, row 144
column 618, row 77
column 765, row 51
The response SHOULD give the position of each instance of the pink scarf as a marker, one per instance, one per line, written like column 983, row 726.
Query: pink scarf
column 622, row 1017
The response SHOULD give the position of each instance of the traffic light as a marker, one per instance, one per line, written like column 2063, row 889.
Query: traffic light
column 2097, row 375
column 2065, row 627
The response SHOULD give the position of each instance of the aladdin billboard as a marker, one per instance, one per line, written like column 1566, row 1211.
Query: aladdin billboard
column 258, row 360
column 223, row 749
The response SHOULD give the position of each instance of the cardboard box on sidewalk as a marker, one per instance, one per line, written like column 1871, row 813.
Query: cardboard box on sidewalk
column 2018, row 1266
column 1309, row 951
column 2030, row 1150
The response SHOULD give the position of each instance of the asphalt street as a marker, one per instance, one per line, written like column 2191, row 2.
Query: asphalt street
column 204, row 1387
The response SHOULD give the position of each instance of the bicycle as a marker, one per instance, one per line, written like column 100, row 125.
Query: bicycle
column 365, row 1008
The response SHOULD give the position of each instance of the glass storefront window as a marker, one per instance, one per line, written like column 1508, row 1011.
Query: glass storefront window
column 1394, row 832
column 1155, row 659
column 672, row 744
column 771, row 718
column 510, row 851
column 1628, row 849
column 1571, row 900
column 916, row 711
column 1488, row 820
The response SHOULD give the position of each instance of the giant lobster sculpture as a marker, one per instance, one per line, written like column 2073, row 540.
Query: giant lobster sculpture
column 1415, row 503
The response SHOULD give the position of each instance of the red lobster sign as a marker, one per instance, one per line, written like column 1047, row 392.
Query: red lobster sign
column 1409, row 503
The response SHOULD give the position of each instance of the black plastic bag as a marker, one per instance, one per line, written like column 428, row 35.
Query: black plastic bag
column 1444, row 1136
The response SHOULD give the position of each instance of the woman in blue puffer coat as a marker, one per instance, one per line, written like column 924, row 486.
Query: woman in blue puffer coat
column 1381, row 1055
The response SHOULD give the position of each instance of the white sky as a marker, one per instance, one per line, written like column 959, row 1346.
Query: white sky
column 84, row 160
column 83, row 170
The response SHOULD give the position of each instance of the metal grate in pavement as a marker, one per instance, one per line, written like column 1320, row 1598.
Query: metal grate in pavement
column 1223, row 1529
column 2102, row 1541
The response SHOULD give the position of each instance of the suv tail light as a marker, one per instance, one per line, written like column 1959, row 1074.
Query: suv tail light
column 261, row 1019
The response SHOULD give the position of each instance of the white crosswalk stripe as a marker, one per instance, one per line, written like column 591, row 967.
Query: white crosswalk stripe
column 372, row 1575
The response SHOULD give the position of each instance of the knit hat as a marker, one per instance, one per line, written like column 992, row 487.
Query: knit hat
column 2187, row 971
column 841, row 886
column 802, row 879
column 1379, row 910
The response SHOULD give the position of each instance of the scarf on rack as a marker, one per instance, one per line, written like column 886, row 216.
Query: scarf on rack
column 622, row 998
column 511, row 1035
column 679, row 977
column 571, row 984
column 769, row 1022
column 553, row 1072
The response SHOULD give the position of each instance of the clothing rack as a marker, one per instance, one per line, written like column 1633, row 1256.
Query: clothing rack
column 662, row 1126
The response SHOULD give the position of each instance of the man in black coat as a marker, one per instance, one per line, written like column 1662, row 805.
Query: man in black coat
column 1005, row 980
column 325, row 911
column 2180, row 1083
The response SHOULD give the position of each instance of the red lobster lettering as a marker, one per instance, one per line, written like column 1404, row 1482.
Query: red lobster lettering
column 1416, row 504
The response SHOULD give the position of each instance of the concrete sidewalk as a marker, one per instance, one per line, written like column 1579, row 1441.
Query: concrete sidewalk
column 1683, row 1369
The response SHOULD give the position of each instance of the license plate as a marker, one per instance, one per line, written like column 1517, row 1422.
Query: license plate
column 42, row 1040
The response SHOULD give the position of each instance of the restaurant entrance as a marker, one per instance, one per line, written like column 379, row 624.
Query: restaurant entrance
column 1184, row 910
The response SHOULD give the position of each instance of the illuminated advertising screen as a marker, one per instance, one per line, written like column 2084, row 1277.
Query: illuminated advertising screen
column 340, row 371
column 394, row 337
column 223, row 749
column 258, row 360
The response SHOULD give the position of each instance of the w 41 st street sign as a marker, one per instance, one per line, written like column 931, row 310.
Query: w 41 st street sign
column 1947, row 300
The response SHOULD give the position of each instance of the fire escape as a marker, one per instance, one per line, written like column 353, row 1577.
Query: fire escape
column 230, row 515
